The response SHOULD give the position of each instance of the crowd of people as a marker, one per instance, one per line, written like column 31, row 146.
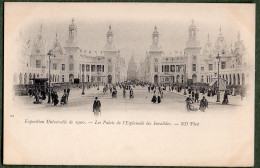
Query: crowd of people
column 194, row 101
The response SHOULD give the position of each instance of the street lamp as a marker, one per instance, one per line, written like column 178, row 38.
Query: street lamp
column 83, row 86
column 49, row 95
column 98, row 78
column 185, row 82
column 218, row 92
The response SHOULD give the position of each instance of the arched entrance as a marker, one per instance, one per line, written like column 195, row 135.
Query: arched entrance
column 71, row 78
column 156, row 79
column 109, row 79
column 194, row 78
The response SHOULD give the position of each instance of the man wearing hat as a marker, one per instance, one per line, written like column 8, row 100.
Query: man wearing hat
column 96, row 107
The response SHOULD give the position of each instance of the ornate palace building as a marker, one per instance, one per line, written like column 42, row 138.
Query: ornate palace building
column 195, row 64
column 69, row 63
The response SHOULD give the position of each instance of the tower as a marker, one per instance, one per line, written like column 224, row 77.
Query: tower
column 38, row 54
column 155, row 54
column 239, row 50
column 72, row 39
column 192, row 54
column 72, row 56
column 111, row 55
column 155, row 37
column 110, row 35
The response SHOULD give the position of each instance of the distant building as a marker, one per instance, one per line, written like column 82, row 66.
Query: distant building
column 132, row 70
column 69, row 62
column 194, row 66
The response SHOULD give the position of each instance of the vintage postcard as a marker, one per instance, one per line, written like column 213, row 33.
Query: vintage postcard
column 144, row 84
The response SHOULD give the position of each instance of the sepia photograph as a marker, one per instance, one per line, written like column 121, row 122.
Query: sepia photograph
column 142, row 84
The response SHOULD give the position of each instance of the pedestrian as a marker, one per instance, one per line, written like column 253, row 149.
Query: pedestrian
column 154, row 99
column 197, row 97
column 188, row 103
column 55, row 99
column 124, row 93
column 192, row 94
column 225, row 99
column 159, row 99
column 131, row 93
column 37, row 98
column 52, row 96
column 96, row 107
column 162, row 94
column 63, row 99
column 203, row 104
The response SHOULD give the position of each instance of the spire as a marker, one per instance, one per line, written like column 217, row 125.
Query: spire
column 192, row 22
column 220, row 33
column 56, row 36
column 238, row 36
column 208, row 37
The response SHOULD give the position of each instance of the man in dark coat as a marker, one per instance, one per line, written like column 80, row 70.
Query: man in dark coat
column 159, row 99
column 154, row 99
column 225, row 100
column 197, row 96
column 203, row 104
column 55, row 99
column 188, row 102
column 96, row 107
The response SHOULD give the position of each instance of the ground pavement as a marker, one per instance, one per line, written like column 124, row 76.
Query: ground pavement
column 172, row 101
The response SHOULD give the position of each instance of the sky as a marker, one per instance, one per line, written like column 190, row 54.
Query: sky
column 133, row 24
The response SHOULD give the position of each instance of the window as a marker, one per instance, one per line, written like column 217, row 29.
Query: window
column 223, row 65
column 63, row 67
column 38, row 63
column 98, row 68
column 92, row 68
column 103, row 68
column 156, row 60
column 172, row 68
column 162, row 68
column 71, row 67
column 202, row 68
column 63, row 77
column 109, row 59
column 166, row 68
column 109, row 68
column 210, row 67
column 54, row 65
column 177, row 68
column 87, row 68
column 71, row 56
column 155, row 68
column 193, row 67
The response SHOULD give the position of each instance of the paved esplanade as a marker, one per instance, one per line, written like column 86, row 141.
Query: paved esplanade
column 172, row 101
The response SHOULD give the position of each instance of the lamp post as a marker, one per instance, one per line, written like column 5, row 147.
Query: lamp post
column 83, row 86
column 218, row 92
column 49, row 95
column 185, row 82
column 98, row 79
